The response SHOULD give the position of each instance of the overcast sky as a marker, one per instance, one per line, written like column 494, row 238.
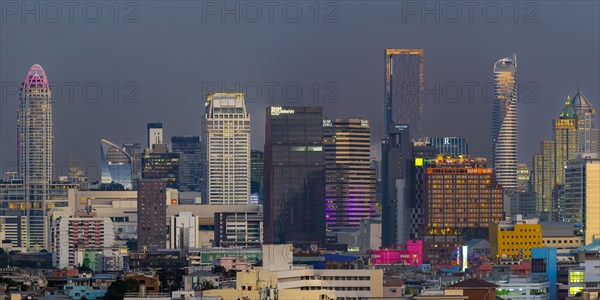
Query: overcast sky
column 153, row 61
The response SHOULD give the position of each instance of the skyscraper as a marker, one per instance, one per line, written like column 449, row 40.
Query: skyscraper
column 350, row 178
column 549, row 165
column 189, row 149
column 396, row 151
column 257, row 162
column 504, row 122
column 582, row 195
column 116, row 164
column 294, row 180
column 226, row 129
column 589, row 134
column 35, row 147
column 404, row 89
column 152, row 213
column 155, row 134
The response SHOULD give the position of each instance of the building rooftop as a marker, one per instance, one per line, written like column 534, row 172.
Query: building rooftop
column 474, row 283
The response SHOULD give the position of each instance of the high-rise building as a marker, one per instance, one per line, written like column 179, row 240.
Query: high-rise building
column 549, row 166
column 582, row 195
column 453, row 146
column 35, row 149
column 226, row 129
column 396, row 151
column 183, row 233
column 189, row 149
column 294, row 178
column 152, row 213
column 350, row 178
column 116, row 164
column 14, row 211
column 135, row 151
column 404, row 89
column 160, row 164
column 504, row 122
column 155, row 134
column 588, row 131
column 460, row 197
column 257, row 162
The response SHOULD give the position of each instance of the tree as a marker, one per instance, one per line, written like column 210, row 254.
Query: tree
column 118, row 289
column 207, row 284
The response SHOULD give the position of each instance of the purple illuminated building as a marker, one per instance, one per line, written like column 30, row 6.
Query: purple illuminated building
column 350, row 177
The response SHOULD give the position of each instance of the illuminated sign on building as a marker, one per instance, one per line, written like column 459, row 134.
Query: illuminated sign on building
column 278, row 110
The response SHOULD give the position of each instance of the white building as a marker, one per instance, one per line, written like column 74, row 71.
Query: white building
column 226, row 129
column 74, row 234
column 183, row 231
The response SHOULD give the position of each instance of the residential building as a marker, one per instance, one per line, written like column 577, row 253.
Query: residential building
column 504, row 122
column 152, row 213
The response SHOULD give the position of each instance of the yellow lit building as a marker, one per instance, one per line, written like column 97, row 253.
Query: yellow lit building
column 514, row 240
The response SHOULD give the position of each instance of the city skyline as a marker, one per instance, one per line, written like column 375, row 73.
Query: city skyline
column 359, row 94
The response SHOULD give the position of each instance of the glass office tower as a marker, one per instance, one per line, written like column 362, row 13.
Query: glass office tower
column 294, row 176
column 404, row 89
column 116, row 164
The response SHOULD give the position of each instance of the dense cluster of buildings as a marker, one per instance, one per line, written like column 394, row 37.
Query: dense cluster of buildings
column 317, row 213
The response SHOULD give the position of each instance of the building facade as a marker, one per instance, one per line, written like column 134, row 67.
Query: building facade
column 226, row 129
column 160, row 164
column 582, row 195
column 294, row 176
column 513, row 241
column 72, row 235
column 504, row 122
column 116, row 164
column 404, row 89
column 189, row 149
column 238, row 229
column 152, row 213
column 396, row 150
column 453, row 146
column 350, row 178
column 588, row 131
column 35, row 153
column 257, row 162
column 155, row 134
column 549, row 166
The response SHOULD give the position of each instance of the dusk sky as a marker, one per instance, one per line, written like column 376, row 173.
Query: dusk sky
column 177, row 49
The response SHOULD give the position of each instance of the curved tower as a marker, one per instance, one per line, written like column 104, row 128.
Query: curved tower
column 35, row 146
column 504, row 122
column 116, row 164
